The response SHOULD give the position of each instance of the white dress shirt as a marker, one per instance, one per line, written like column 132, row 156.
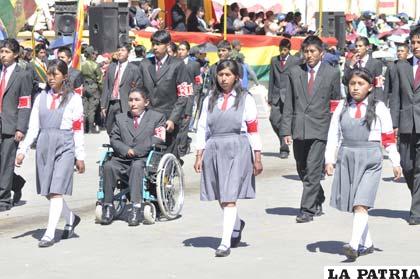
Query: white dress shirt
column 162, row 61
column 73, row 113
column 415, row 65
column 249, row 116
column 381, row 130
column 123, row 66
column 316, row 68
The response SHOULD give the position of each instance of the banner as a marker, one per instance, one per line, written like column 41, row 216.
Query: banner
column 78, row 35
column 13, row 15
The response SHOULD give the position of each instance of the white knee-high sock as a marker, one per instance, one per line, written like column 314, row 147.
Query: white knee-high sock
column 229, row 217
column 56, row 205
column 366, row 241
column 237, row 226
column 67, row 213
column 359, row 224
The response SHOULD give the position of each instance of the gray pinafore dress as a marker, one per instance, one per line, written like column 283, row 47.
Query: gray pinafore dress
column 358, row 167
column 227, row 169
column 54, row 151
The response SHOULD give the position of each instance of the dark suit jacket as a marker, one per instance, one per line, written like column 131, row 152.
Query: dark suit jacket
column 374, row 66
column 16, row 106
column 278, row 83
column 405, row 99
column 389, row 80
column 193, row 69
column 305, row 117
column 129, row 79
column 162, row 87
column 178, row 19
column 75, row 78
column 124, row 136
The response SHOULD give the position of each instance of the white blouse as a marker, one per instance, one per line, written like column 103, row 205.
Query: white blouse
column 381, row 130
column 72, row 120
column 249, row 121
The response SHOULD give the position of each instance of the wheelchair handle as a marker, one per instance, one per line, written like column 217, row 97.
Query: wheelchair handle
column 159, row 147
column 106, row 145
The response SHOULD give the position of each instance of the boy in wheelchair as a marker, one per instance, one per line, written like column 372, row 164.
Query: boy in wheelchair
column 132, row 137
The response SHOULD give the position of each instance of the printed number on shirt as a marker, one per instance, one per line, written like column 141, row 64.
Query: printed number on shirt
column 184, row 89
column 252, row 126
column 160, row 132
column 24, row 102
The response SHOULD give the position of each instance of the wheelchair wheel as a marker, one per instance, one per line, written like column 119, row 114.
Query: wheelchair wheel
column 98, row 212
column 170, row 186
column 149, row 213
column 120, row 200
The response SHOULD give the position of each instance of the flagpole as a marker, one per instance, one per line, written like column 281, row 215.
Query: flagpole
column 320, row 17
column 225, row 21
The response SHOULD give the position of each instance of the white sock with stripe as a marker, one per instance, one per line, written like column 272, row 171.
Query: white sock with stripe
column 237, row 227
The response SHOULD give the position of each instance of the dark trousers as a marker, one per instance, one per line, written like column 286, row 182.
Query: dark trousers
column 172, row 143
column 309, row 156
column 131, row 170
column 8, row 148
column 275, row 119
column 90, row 106
column 113, row 109
column 409, row 148
column 183, row 141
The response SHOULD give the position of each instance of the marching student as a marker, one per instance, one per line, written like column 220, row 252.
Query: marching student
column 57, row 122
column 228, row 150
column 15, row 108
column 314, row 90
column 132, row 138
column 361, row 123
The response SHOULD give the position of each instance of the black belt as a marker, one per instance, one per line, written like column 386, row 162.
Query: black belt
column 114, row 101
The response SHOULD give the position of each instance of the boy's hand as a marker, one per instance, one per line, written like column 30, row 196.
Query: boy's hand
column 131, row 153
column 329, row 169
column 80, row 166
column 19, row 160
column 397, row 173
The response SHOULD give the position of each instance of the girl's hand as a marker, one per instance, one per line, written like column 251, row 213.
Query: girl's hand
column 198, row 163
column 80, row 166
column 397, row 173
column 258, row 167
column 19, row 160
column 329, row 169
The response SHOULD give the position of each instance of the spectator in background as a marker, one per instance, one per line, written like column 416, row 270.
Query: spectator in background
column 172, row 49
column 250, row 26
column 140, row 52
column 403, row 52
column 248, row 72
column 196, row 22
column 142, row 15
column 294, row 27
column 178, row 16
column 270, row 27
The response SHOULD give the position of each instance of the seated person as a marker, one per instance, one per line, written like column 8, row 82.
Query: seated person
column 132, row 137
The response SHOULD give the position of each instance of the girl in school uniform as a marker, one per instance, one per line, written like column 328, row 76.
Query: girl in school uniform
column 228, row 150
column 360, row 123
column 57, row 116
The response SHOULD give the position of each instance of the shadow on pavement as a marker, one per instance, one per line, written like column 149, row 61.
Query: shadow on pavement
column 397, row 214
column 271, row 154
column 38, row 233
column 287, row 211
column 20, row 203
column 329, row 247
column 207, row 242
column 391, row 179
column 292, row 177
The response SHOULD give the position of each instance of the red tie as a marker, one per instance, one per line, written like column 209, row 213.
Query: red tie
column 116, row 89
column 225, row 101
column 311, row 81
column 282, row 63
column 159, row 65
column 55, row 97
column 136, row 123
column 2, row 86
column 359, row 63
column 417, row 77
column 358, row 114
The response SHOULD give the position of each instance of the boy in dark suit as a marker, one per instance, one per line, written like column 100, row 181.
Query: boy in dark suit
column 169, row 86
column 405, row 112
column 278, row 86
column 118, row 82
column 132, row 138
column 314, row 86
column 15, row 108
column 75, row 76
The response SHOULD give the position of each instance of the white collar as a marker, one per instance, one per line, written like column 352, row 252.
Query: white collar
column 316, row 68
column 365, row 101
column 415, row 60
column 163, row 60
column 186, row 60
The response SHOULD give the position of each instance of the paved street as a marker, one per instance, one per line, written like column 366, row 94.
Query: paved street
column 273, row 246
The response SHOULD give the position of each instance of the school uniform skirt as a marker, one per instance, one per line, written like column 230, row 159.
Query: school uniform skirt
column 357, row 175
column 227, row 169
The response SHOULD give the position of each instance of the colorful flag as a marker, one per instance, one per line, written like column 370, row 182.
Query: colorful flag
column 14, row 13
column 78, row 35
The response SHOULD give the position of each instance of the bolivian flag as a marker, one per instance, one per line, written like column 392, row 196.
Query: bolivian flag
column 13, row 15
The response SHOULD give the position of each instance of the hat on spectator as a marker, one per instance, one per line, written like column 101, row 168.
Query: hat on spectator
column 89, row 50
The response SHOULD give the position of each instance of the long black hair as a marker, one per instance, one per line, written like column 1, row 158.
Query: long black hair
column 217, row 91
column 371, row 107
column 61, row 66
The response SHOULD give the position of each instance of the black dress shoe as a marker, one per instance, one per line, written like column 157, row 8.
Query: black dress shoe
column 69, row 229
column 350, row 253
column 234, row 241
column 5, row 207
column 43, row 243
column 134, row 216
column 304, row 217
column 107, row 214
column 318, row 210
column 362, row 251
column 414, row 221
column 222, row 252
column 284, row 155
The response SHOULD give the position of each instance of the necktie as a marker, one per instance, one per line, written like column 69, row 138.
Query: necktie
column 225, row 101
column 282, row 63
column 116, row 88
column 311, row 81
column 359, row 63
column 55, row 97
column 417, row 76
column 159, row 65
column 136, row 122
column 358, row 114
column 2, row 86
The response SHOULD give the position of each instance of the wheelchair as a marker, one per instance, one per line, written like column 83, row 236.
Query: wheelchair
column 163, row 187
